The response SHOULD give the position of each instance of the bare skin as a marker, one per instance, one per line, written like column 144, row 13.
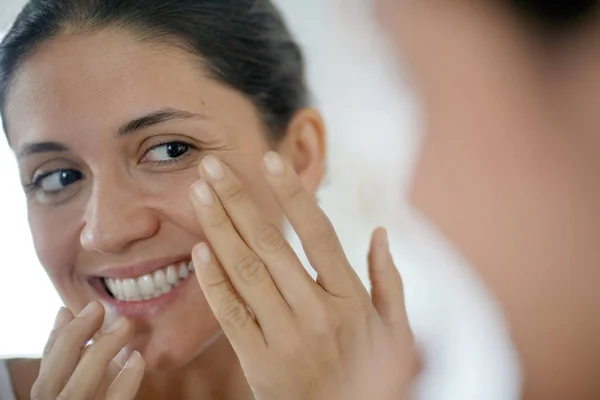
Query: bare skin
column 253, row 323
column 126, row 211
column 509, row 173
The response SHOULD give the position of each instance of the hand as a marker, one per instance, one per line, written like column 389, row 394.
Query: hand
column 70, row 370
column 297, row 338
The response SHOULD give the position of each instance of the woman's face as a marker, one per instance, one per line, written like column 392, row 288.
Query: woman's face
column 508, row 171
column 109, row 133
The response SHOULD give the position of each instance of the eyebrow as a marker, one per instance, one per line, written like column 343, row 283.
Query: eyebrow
column 42, row 147
column 155, row 118
column 147, row 121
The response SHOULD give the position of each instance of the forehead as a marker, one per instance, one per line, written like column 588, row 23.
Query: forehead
column 82, row 83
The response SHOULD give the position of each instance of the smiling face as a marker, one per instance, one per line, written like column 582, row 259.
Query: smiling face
column 109, row 133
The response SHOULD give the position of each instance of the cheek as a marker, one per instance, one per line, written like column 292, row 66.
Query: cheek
column 56, row 241
column 175, row 206
column 171, row 199
column 255, row 183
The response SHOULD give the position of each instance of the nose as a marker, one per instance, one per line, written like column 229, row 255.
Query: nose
column 116, row 218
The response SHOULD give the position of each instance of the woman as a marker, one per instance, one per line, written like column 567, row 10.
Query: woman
column 509, row 166
column 145, row 130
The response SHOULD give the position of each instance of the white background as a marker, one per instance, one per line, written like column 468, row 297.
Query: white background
column 372, row 129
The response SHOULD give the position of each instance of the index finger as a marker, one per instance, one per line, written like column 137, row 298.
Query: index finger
column 126, row 384
column 63, row 317
column 66, row 351
column 318, row 237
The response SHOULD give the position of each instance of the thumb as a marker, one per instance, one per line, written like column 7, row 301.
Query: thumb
column 387, row 290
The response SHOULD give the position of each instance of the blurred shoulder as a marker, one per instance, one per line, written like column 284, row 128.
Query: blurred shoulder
column 22, row 372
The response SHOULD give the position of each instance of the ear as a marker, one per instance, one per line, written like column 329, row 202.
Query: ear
column 305, row 147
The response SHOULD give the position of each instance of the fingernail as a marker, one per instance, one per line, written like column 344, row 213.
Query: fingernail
column 203, row 253
column 89, row 310
column 213, row 168
column 119, row 323
column 273, row 164
column 134, row 359
column 203, row 193
column 61, row 318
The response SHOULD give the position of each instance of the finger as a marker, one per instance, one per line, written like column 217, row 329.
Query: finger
column 246, row 271
column 262, row 236
column 92, row 368
column 127, row 383
column 227, row 306
column 63, row 317
column 387, row 290
column 318, row 237
column 64, row 356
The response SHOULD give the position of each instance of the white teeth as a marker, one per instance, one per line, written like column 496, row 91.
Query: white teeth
column 172, row 275
column 146, row 286
column 160, row 279
column 112, row 286
column 131, row 289
column 120, row 292
column 151, row 285
column 183, row 271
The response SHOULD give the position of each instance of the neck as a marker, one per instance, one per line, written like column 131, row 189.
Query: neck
column 215, row 374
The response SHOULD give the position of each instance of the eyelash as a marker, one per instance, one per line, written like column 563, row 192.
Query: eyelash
column 37, row 180
column 172, row 160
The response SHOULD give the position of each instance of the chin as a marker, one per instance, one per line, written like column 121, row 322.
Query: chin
column 172, row 350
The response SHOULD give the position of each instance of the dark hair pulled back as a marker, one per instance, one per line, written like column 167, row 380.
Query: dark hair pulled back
column 242, row 43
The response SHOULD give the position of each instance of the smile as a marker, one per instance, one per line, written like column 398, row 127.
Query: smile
column 151, row 285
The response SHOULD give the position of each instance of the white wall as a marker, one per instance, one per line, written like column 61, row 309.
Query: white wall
column 372, row 127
